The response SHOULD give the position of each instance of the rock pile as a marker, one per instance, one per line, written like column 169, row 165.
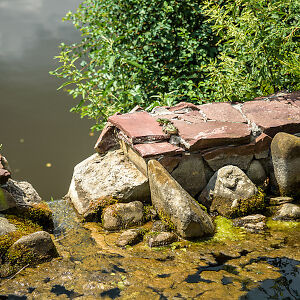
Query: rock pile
column 225, row 155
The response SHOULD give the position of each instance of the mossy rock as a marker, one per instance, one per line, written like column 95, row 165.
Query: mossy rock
column 96, row 207
column 24, row 227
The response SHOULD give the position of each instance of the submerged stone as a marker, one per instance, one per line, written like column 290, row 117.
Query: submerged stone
column 162, row 239
column 129, row 237
column 122, row 215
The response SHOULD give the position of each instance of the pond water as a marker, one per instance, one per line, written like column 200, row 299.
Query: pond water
column 90, row 266
column 36, row 127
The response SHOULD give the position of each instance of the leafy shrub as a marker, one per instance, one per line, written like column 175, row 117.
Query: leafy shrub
column 161, row 52
column 135, row 52
column 259, row 42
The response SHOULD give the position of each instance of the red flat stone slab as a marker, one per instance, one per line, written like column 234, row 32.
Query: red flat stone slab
column 139, row 127
column 273, row 116
column 222, row 112
column 183, row 105
column 213, row 133
column 193, row 117
column 153, row 149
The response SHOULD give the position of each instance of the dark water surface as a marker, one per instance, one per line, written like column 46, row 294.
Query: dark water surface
column 36, row 126
column 91, row 266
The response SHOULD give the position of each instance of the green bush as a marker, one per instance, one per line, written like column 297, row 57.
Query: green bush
column 149, row 53
column 260, row 53
column 135, row 52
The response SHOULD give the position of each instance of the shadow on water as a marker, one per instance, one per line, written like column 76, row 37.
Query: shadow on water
column 196, row 278
column 112, row 293
column 285, row 287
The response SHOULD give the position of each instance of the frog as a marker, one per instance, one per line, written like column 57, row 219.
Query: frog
column 168, row 126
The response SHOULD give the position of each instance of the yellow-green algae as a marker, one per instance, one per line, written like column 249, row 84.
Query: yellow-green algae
column 283, row 225
column 24, row 227
column 20, row 256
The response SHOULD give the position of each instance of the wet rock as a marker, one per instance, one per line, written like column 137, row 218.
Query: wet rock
column 175, row 205
column 288, row 212
column 129, row 237
column 122, row 215
column 251, row 219
column 162, row 239
column 252, row 223
column 221, row 256
column 159, row 226
column 190, row 174
column 112, row 175
column 224, row 190
column 23, row 192
column 33, row 248
column 285, row 149
column 256, row 173
column 6, row 227
column 255, row 228
column 280, row 200
column 7, row 201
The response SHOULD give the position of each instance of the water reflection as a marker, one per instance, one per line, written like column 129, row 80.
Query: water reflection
column 32, row 110
column 285, row 287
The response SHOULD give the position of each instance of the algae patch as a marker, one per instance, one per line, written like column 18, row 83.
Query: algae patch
column 226, row 231
column 282, row 225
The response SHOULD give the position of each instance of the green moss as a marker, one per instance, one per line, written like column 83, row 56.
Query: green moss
column 97, row 206
column 282, row 225
column 202, row 207
column 20, row 255
column 166, row 220
column 226, row 231
column 148, row 213
column 24, row 227
column 255, row 204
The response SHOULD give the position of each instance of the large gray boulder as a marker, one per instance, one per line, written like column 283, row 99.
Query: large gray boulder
column 6, row 227
column 190, row 174
column 122, row 215
column 285, row 150
column 225, row 189
column 175, row 205
column 111, row 175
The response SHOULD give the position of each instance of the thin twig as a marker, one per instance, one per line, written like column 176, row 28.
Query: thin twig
column 13, row 276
